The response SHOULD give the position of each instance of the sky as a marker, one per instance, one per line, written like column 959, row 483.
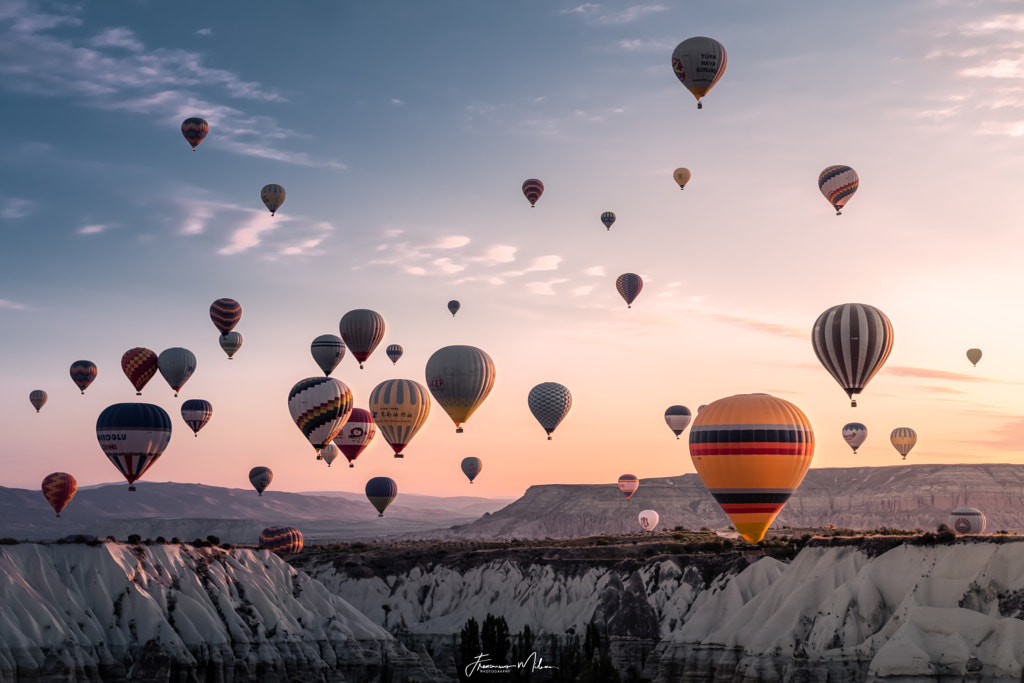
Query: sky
column 402, row 132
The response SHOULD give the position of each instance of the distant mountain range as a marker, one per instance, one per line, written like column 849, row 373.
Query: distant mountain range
column 904, row 496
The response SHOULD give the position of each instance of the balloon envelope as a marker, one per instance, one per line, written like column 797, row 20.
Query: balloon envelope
column 903, row 439
column 394, row 352
column 628, row 484
column 176, row 365
column 974, row 355
column 133, row 436
column 852, row 341
column 698, row 64
column 320, row 406
column 273, row 197
column 967, row 520
column 281, row 540
column 453, row 307
column 225, row 314
column 83, row 372
column 329, row 453
column 362, row 330
column 37, row 398
column 837, row 184
column 260, row 478
column 608, row 218
column 550, row 403
column 629, row 285
column 399, row 407
column 751, row 451
column 681, row 176
column 230, row 343
column 854, row 434
column 139, row 366
column 471, row 467
column 356, row 435
column 460, row 378
column 649, row 520
column 381, row 491
column 327, row 350
column 194, row 129
column 677, row 418
column 533, row 189
column 58, row 489
column 196, row 412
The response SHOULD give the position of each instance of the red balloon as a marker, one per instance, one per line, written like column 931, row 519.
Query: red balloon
column 59, row 488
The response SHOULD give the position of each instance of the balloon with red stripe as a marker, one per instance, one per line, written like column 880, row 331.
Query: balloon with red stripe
column 83, row 372
column 356, row 435
column 533, row 189
column 283, row 540
column 58, row 489
column 225, row 314
column 751, row 451
column 139, row 366
column 628, row 484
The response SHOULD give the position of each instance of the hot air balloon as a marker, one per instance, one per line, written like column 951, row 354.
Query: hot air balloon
column 327, row 350
column 196, row 412
column 260, row 478
column 381, row 491
column 58, row 489
column 967, row 520
column 83, row 372
column 550, row 403
column 681, row 176
column 139, row 366
column 608, row 218
column 837, row 184
column 974, row 355
column 225, row 314
column 194, row 129
column 852, row 341
column 399, row 408
column 903, row 439
column 320, row 406
column 533, row 189
column 677, row 417
column 394, row 352
column 629, row 286
column 751, row 451
column 628, row 484
column 471, row 467
column 328, row 453
column 356, row 435
column 281, row 540
column 698, row 64
column 453, row 307
column 133, row 436
column 37, row 397
column 649, row 520
column 272, row 196
column 176, row 365
column 854, row 434
column 230, row 343
column 460, row 378
column 362, row 330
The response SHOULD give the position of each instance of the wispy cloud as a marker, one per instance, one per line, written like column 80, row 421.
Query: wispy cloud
column 93, row 229
column 206, row 32
column 15, row 208
column 12, row 305
column 117, row 37
column 753, row 323
column 545, row 287
column 594, row 13
column 594, row 271
column 928, row 373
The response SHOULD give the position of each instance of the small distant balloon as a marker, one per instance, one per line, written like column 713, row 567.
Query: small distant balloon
column 681, row 176
column 281, row 540
column 453, row 307
column 381, row 491
column 37, row 398
column 83, row 372
column 225, row 314
column 230, row 343
column 903, row 439
column 260, row 478
column 608, row 218
column 196, row 412
column 974, row 355
column 176, row 365
column 628, row 484
column 855, row 434
column 327, row 350
column 677, row 418
column 362, row 330
column 649, row 520
column 329, row 453
column 194, row 129
column 471, row 467
column 967, row 520
column 273, row 197
column 139, row 366
column 394, row 352
column 698, row 63
column 533, row 189
column 629, row 285
column 356, row 435
column 837, row 185
column 550, row 403
column 58, row 489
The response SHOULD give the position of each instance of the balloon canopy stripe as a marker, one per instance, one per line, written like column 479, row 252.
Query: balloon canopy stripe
column 282, row 540
column 711, row 434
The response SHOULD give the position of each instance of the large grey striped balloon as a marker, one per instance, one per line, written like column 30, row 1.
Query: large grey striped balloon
column 852, row 341
column 550, row 403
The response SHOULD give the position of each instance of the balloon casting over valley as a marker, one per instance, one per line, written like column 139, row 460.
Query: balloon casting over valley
column 433, row 291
